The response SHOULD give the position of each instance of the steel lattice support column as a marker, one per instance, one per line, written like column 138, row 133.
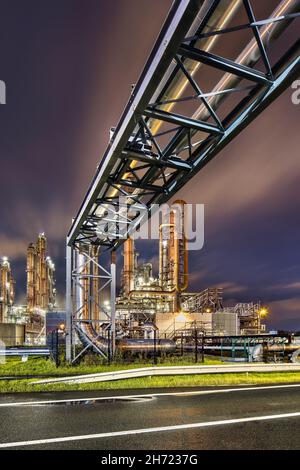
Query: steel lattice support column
column 69, row 304
column 83, row 273
column 113, row 301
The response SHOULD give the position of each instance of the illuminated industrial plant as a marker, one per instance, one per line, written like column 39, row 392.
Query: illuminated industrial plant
column 167, row 133
column 153, row 307
column 21, row 324
column 163, row 301
column 160, row 293
column 7, row 290
column 40, row 277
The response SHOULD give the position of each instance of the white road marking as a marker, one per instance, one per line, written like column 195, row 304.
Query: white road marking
column 166, row 394
column 131, row 432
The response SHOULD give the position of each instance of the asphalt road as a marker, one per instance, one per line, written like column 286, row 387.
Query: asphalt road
column 213, row 418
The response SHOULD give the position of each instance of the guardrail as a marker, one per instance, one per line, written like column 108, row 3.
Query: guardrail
column 24, row 352
column 172, row 370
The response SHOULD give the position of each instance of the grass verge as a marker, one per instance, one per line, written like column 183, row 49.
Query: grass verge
column 44, row 367
column 18, row 386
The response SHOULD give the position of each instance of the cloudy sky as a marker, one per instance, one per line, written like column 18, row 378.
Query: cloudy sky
column 68, row 66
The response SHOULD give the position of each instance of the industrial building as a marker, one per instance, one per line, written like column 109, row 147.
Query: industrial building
column 7, row 290
column 40, row 277
column 163, row 301
column 26, row 323
column 153, row 306
column 169, row 130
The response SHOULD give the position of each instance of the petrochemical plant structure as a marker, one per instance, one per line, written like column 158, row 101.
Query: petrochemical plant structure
column 21, row 324
column 164, row 137
column 147, row 306
column 7, row 290
column 161, row 305
column 151, row 309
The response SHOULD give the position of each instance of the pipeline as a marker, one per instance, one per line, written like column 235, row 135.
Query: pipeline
column 248, row 57
column 251, row 54
column 146, row 345
column 292, row 351
column 89, row 338
column 151, row 292
column 296, row 356
column 219, row 19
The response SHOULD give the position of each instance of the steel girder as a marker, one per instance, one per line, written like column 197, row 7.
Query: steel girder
column 86, row 280
column 156, row 150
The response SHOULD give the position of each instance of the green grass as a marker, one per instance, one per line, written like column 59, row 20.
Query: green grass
column 17, row 386
column 47, row 368
column 43, row 367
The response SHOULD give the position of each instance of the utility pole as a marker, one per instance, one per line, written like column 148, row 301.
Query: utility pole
column 196, row 345
column 113, row 302
column 154, row 348
column 69, row 309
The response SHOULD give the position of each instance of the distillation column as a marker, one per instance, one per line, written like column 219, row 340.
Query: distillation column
column 40, row 276
column 173, row 253
column 7, row 291
column 31, row 282
column 50, row 284
column 129, row 267
column 41, row 269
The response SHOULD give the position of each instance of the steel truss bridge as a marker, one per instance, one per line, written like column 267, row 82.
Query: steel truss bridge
column 191, row 100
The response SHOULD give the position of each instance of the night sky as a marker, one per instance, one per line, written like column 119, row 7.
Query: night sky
column 68, row 67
